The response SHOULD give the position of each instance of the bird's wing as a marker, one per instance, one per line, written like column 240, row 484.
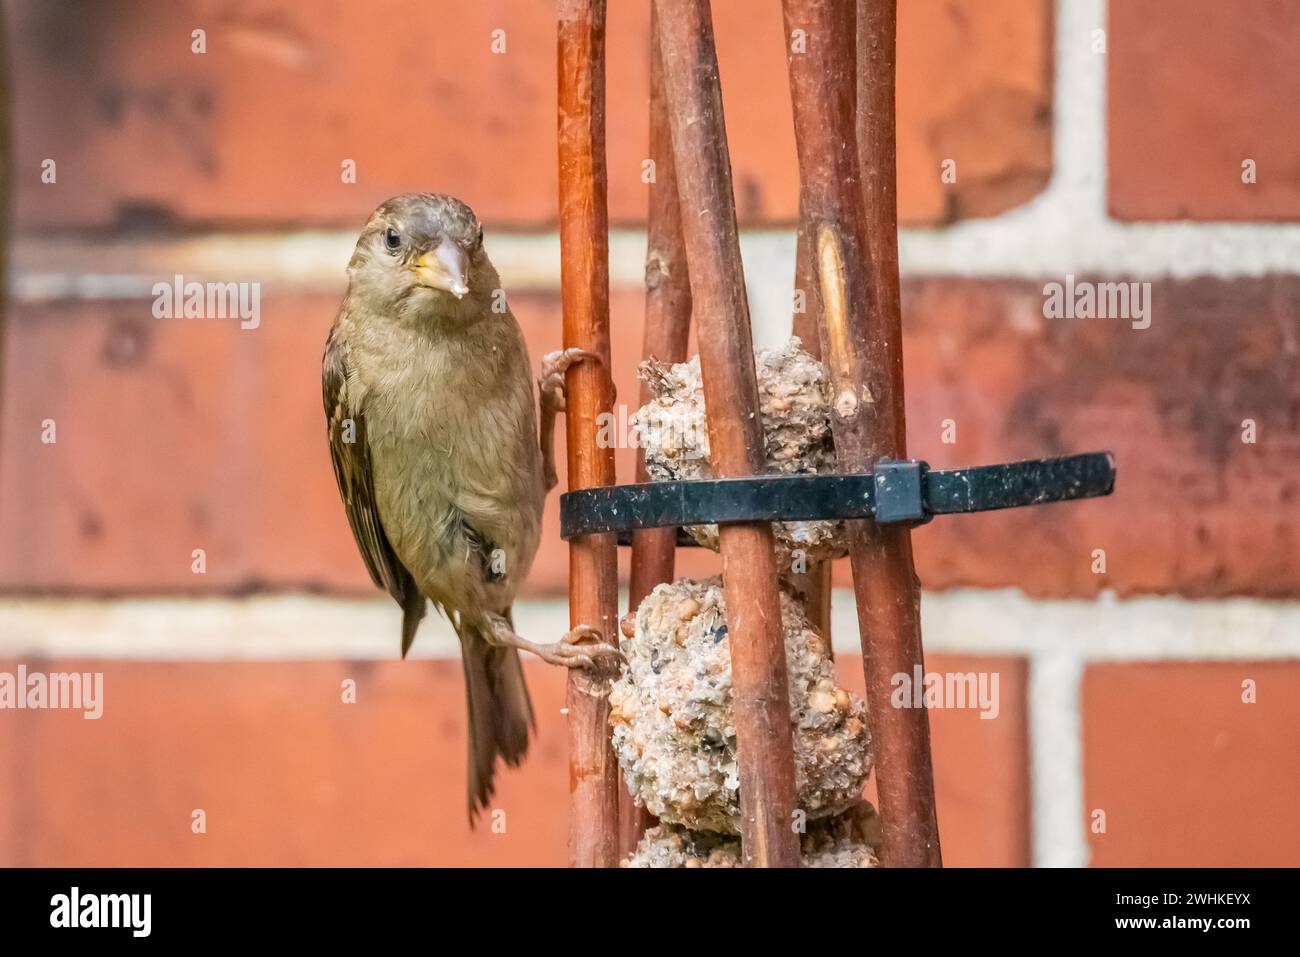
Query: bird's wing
column 350, row 452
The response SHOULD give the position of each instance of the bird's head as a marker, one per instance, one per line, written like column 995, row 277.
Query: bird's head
column 423, row 250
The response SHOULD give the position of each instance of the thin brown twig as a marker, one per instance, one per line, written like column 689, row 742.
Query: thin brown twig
column 667, row 331
column 852, row 232
column 708, row 211
column 584, row 271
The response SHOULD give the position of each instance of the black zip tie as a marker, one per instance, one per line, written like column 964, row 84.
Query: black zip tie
column 891, row 492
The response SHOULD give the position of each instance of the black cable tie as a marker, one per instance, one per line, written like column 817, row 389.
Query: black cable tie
column 891, row 492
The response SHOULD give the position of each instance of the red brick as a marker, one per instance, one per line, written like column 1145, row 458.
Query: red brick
column 1195, row 511
column 284, row 770
column 12, row 817
column 1188, row 774
column 157, row 434
column 176, row 435
column 287, row 774
column 1196, row 87
column 974, row 86
column 254, row 130
column 169, row 433
column 981, row 765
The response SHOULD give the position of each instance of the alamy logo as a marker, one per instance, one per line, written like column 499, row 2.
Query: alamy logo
column 1098, row 300
column 949, row 690
column 75, row 909
column 209, row 300
column 59, row 690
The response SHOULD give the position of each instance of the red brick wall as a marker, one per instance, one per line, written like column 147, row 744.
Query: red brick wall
column 287, row 774
column 253, row 131
column 175, row 436
column 1225, row 80
column 1186, row 773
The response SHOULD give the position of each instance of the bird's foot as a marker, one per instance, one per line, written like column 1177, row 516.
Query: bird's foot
column 554, row 366
column 571, row 651
column 550, row 385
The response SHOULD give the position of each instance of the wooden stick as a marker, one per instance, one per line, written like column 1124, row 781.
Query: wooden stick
column 815, row 587
column 854, row 248
column 667, row 331
column 816, row 582
column 708, row 212
column 584, row 274
column 893, row 609
column 877, row 149
column 807, row 321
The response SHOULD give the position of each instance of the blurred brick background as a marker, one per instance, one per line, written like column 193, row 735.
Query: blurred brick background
column 253, row 132
column 175, row 435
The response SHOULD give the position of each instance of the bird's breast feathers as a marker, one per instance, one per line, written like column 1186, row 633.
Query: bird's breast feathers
column 453, row 437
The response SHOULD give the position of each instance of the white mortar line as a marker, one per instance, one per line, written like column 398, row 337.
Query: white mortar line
column 284, row 262
column 968, row 621
column 1055, row 721
column 316, row 262
column 1008, row 622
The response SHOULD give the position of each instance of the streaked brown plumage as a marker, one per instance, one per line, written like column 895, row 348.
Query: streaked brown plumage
column 434, row 439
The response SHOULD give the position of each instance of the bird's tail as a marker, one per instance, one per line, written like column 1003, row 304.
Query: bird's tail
column 500, row 711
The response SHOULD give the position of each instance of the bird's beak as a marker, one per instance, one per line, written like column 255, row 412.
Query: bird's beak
column 445, row 268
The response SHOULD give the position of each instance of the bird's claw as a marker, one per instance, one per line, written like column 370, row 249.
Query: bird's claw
column 554, row 366
column 570, row 652
column 553, row 401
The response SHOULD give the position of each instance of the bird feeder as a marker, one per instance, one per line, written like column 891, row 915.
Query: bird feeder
column 842, row 88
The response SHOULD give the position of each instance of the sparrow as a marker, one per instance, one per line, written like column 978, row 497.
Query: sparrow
column 434, row 436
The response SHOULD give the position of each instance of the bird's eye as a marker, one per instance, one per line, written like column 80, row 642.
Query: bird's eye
column 392, row 239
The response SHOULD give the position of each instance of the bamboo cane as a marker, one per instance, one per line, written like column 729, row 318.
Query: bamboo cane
column 853, row 234
column 710, row 233
column 584, row 272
